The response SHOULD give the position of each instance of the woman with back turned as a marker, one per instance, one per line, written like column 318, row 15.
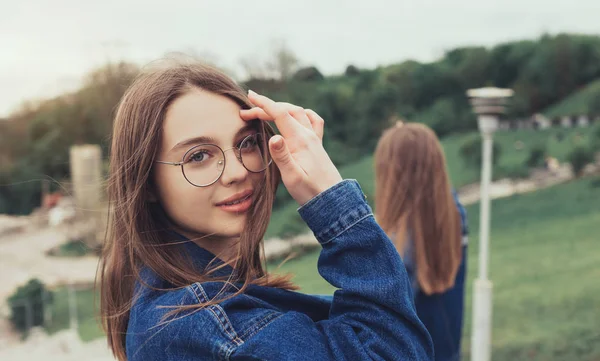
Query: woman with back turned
column 417, row 208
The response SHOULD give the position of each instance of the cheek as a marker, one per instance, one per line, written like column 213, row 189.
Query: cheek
column 189, row 207
column 174, row 191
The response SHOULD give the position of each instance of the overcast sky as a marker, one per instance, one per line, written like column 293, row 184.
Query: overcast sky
column 46, row 46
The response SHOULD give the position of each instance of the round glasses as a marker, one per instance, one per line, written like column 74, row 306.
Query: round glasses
column 203, row 165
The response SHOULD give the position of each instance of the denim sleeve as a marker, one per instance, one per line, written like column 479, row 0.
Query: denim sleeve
column 463, row 214
column 372, row 315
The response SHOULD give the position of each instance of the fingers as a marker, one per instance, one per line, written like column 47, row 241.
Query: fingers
column 283, row 158
column 286, row 124
column 317, row 123
column 296, row 112
column 255, row 113
column 299, row 114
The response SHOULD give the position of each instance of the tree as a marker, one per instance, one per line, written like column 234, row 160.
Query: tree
column 283, row 62
column 280, row 64
column 351, row 70
column 310, row 73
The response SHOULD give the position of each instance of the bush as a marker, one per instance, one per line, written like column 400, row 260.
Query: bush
column 595, row 141
column 579, row 158
column 27, row 305
column 536, row 156
column 73, row 248
column 472, row 153
column 516, row 171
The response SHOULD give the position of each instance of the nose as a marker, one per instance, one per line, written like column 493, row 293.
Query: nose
column 234, row 171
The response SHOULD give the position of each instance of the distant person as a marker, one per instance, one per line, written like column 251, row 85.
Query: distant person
column 417, row 208
column 194, row 169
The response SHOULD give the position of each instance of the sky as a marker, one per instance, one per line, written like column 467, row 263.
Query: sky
column 47, row 46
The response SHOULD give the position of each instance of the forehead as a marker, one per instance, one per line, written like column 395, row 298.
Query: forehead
column 199, row 113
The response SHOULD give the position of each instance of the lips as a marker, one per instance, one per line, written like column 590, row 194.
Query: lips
column 236, row 198
column 237, row 204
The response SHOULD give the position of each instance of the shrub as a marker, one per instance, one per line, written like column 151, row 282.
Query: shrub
column 536, row 156
column 27, row 305
column 73, row 248
column 595, row 141
column 579, row 158
column 516, row 171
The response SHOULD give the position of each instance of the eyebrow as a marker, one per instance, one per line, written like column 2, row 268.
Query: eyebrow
column 253, row 125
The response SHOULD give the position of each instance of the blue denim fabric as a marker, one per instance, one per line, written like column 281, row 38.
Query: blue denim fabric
column 463, row 215
column 370, row 317
column 442, row 313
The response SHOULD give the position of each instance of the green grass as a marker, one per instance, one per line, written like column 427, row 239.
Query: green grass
column 89, row 328
column 582, row 102
column 544, row 266
column 286, row 221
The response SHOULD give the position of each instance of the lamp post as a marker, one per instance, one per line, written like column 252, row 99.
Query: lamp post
column 488, row 104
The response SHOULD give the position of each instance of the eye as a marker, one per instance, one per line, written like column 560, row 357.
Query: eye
column 249, row 142
column 199, row 156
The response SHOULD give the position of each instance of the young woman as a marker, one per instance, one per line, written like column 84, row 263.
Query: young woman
column 417, row 208
column 193, row 173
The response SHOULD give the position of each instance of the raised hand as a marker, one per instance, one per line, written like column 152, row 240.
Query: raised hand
column 306, row 169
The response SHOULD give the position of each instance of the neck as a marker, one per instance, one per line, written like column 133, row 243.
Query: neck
column 225, row 248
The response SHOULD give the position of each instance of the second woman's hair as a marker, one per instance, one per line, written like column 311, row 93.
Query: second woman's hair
column 414, row 202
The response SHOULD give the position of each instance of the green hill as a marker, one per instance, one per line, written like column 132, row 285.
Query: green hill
column 584, row 101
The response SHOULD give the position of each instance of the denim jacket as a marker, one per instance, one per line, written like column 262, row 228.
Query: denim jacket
column 370, row 317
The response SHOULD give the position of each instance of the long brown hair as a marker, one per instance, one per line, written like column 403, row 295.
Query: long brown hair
column 136, row 235
column 413, row 199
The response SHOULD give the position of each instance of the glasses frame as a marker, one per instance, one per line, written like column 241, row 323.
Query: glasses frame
column 238, row 155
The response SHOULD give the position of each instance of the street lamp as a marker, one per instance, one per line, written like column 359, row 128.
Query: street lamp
column 488, row 104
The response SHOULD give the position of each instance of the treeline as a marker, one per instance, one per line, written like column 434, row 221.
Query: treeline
column 357, row 105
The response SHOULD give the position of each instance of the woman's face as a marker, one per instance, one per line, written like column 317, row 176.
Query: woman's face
column 218, row 210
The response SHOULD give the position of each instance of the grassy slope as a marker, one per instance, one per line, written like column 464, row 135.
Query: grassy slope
column 580, row 102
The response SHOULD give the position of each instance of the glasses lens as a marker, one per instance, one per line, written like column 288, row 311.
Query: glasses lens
column 203, row 164
column 254, row 153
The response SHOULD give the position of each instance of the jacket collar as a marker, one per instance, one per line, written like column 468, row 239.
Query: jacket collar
column 202, row 259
